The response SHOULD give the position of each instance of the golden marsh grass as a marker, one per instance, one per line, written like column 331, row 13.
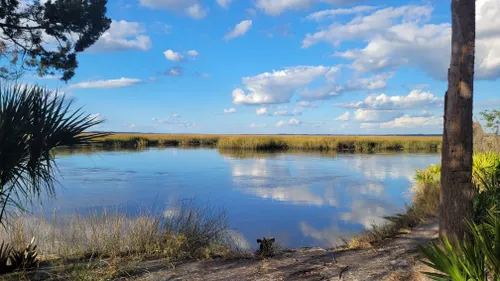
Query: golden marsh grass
column 276, row 142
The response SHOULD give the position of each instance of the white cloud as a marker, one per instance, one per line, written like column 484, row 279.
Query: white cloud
column 415, row 99
column 173, row 56
column 368, row 115
column 261, row 111
column 176, row 115
column 224, row 3
column 193, row 53
column 253, row 125
column 196, row 11
column 294, row 122
column 191, row 8
column 280, row 124
column 372, row 83
column 277, row 86
column 344, row 117
column 331, row 89
column 239, row 30
column 276, row 7
column 106, row 84
column 122, row 35
column 407, row 121
column 321, row 15
column 230, row 110
column 403, row 36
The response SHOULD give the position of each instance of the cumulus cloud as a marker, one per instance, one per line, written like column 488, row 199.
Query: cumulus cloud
column 415, row 99
column 277, row 86
column 368, row 115
column 294, row 122
column 280, row 124
column 261, row 111
column 332, row 13
column 224, row 3
column 239, row 30
column 106, row 84
column 122, row 35
column 230, row 110
column 371, row 83
column 407, row 121
column 344, row 117
column 403, row 36
column 276, row 7
column 173, row 56
column 191, row 8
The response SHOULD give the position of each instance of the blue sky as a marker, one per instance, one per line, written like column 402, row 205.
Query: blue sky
column 278, row 66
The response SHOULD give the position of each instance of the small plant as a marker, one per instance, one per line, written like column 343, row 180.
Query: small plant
column 5, row 251
column 25, row 258
column 267, row 247
column 476, row 258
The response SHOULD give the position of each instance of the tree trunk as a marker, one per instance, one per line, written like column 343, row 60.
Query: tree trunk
column 456, row 175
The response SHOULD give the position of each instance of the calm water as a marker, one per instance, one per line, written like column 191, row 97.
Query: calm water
column 303, row 199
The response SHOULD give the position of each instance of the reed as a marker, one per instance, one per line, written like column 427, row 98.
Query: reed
column 275, row 142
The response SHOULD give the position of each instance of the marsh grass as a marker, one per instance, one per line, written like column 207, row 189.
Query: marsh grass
column 275, row 142
column 192, row 232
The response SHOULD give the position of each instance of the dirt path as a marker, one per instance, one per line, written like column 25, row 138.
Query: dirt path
column 393, row 259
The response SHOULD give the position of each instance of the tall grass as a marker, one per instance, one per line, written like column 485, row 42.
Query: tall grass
column 187, row 232
column 269, row 142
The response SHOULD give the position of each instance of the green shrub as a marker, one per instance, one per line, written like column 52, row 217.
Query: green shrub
column 476, row 258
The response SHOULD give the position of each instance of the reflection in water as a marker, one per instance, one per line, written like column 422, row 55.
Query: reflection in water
column 302, row 198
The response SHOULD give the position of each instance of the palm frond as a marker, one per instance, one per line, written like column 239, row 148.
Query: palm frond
column 34, row 121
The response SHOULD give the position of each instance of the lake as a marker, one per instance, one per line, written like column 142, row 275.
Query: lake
column 301, row 198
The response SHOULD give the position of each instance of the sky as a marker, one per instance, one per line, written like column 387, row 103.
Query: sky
column 278, row 66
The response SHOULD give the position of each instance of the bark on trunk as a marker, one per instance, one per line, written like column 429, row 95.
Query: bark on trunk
column 456, row 174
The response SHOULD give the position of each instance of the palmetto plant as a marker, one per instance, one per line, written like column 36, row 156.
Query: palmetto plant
column 476, row 258
column 34, row 121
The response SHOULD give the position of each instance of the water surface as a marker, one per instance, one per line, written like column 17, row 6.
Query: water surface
column 303, row 199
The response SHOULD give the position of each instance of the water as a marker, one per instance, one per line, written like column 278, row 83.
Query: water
column 302, row 199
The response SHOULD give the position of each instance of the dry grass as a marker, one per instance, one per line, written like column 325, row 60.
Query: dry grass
column 274, row 142
column 189, row 232
column 397, row 224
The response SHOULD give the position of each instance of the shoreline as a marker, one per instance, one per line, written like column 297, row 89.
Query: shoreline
column 275, row 142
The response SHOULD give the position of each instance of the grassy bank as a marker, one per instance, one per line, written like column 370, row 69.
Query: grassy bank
column 486, row 172
column 90, row 247
column 268, row 142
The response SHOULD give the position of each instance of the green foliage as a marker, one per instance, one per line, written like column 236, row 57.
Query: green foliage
column 492, row 118
column 24, row 24
column 34, row 121
column 476, row 258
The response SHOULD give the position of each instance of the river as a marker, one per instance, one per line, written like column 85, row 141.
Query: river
column 301, row 198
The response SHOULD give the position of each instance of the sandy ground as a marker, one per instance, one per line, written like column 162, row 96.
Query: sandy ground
column 393, row 259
